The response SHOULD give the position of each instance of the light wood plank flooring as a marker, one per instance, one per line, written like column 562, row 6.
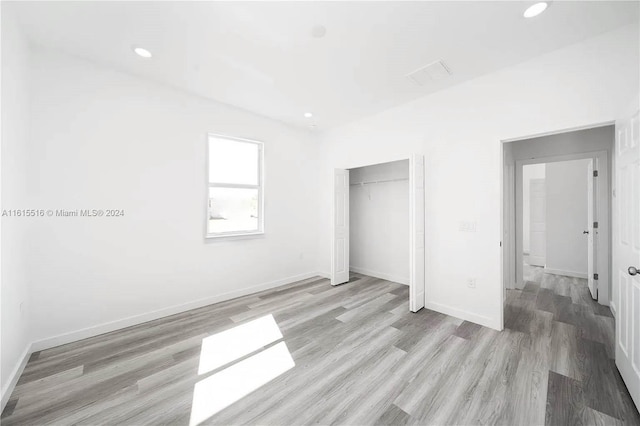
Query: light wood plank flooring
column 351, row 354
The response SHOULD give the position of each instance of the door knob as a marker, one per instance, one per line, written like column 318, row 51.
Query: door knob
column 585, row 232
column 633, row 270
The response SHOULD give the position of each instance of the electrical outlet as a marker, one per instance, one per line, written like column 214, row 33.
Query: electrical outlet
column 471, row 283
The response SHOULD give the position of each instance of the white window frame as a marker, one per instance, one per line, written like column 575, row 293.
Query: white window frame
column 259, row 187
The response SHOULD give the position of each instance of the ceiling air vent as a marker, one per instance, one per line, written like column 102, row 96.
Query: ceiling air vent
column 433, row 72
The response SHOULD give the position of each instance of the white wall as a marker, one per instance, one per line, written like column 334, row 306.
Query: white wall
column 379, row 221
column 566, row 217
column 532, row 171
column 14, row 298
column 459, row 130
column 105, row 140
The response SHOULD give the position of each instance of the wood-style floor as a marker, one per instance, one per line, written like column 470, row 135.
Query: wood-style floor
column 351, row 354
column 572, row 336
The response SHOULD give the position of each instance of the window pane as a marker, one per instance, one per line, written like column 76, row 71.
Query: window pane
column 233, row 161
column 232, row 210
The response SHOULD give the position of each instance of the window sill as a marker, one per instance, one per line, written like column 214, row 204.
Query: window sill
column 238, row 236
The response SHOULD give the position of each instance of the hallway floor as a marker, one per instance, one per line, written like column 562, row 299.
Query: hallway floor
column 572, row 336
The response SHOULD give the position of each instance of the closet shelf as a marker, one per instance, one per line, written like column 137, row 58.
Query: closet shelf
column 377, row 181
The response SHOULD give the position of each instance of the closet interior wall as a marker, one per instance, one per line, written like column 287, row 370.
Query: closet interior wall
column 379, row 220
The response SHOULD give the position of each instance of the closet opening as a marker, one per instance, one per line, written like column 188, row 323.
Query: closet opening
column 379, row 221
column 378, row 225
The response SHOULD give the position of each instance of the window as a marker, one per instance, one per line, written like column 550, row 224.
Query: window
column 234, row 193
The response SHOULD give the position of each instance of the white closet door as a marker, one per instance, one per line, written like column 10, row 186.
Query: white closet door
column 340, row 245
column 416, row 232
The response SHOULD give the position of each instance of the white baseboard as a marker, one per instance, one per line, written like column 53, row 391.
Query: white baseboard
column 381, row 275
column 465, row 315
column 612, row 306
column 14, row 376
column 84, row 333
column 565, row 273
column 535, row 260
column 92, row 331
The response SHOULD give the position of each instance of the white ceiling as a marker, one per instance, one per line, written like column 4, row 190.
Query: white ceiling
column 261, row 56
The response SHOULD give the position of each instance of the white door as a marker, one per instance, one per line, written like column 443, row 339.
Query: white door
column 626, row 230
column 591, row 232
column 340, row 244
column 537, row 222
column 416, row 232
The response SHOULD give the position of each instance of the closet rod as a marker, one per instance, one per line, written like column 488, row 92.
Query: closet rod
column 378, row 181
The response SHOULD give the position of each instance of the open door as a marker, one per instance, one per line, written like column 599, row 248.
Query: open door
column 340, row 243
column 416, row 232
column 591, row 232
column 537, row 222
column 626, row 258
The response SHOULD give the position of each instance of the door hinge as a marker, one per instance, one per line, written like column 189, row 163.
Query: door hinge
column 595, row 225
column 595, row 276
column 595, row 173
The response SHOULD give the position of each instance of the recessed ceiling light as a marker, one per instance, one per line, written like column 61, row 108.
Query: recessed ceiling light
column 535, row 9
column 318, row 31
column 143, row 53
column 308, row 115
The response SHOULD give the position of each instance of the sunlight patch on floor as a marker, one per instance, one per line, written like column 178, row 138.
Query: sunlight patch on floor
column 222, row 389
column 230, row 345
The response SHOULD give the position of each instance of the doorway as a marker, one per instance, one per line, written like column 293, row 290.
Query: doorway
column 384, row 194
column 615, row 151
column 559, row 228
column 595, row 144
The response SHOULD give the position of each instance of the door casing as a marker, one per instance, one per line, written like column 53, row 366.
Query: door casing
column 603, row 202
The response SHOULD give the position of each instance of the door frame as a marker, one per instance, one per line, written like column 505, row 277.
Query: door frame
column 603, row 203
column 412, row 159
